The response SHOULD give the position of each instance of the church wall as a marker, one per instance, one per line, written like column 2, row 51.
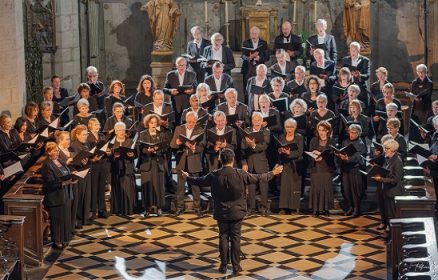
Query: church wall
column 12, row 64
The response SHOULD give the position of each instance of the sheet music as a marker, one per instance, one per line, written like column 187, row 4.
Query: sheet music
column 33, row 140
column 13, row 169
column 82, row 174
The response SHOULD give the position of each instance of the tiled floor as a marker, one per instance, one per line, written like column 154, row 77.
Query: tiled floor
column 276, row 247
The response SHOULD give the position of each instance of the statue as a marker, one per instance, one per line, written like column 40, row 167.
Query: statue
column 164, row 19
column 357, row 22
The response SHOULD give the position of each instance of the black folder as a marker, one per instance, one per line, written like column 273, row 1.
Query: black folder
column 212, row 137
column 416, row 149
column 292, row 146
column 280, row 104
column 183, row 88
column 123, row 152
column 83, row 154
column 192, row 139
column 376, row 171
column 258, row 136
column 209, row 105
column 259, row 90
column 347, row 150
column 232, row 119
column 270, row 120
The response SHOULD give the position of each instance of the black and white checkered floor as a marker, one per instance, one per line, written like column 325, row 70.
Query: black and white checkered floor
column 276, row 247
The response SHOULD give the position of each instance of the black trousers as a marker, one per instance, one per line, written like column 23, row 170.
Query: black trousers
column 84, row 200
column 381, row 203
column 180, row 190
column 99, row 174
column 229, row 233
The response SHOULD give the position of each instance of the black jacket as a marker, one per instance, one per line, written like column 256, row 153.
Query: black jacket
column 228, row 190
column 55, row 193
column 263, row 53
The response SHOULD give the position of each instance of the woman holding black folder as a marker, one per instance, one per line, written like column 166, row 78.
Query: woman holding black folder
column 9, row 137
column 80, row 143
column 83, row 117
column 322, row 170
column 145, row 90
column 391, row 183
column 351, row 164
column 99, row 171
column 321, row 114
column 66, row 155
column 289, row 157
column 45, row 117
column 21, row 127
column 122, row 173
column 118, row 116
column 152, row 162
column 339, row 88
column 393, row 126
column 57, row 197
column 277, row 95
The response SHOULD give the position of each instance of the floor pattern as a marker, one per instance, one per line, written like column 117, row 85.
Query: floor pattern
column 276, row 247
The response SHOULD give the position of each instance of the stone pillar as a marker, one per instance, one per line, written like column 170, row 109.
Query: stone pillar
column 12, row 67
column 66, row 61
column 161, row 64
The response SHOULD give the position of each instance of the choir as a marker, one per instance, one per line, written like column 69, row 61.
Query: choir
column 318, row 123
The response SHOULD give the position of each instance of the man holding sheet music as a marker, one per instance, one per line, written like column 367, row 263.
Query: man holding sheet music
column 289, row 42
column 254, row 52
column 254, row 144
column 322, row 40
column 180, row 84
column 188, row 141
column 195, row 49
column 219, row 81
column 218, row 138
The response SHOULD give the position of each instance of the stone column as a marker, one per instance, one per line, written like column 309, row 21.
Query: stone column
column 161, row 64
column 12, row 67
column 66, row 61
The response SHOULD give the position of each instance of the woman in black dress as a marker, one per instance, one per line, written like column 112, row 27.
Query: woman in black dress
column 392, row 183
column 31, row 114
column 66, row 155
column 321, row 114
column 290, row 187
column 122, row 173
column 83, row 116
column 321, row 175
column 57, row 197
column 46, row 114
column 145, row 89
column 9, row 138
column 79, row 143
column 393, row 126
column 153, row 165
column 99, row 171
column 352, row 182
column 21, row 127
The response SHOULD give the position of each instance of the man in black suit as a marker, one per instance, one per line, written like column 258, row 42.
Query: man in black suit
column 254, row 160
column 292, row 42
column 195, row 48
column 213, row 148
column 229, row 206
column 161, row 108
column 180, row 77
column 218, row 52
column 219, row 81
column 322, row 40
column 250, row 59
column 360, row 69
column 232, row 106
column 188, row 157
column 283, row 68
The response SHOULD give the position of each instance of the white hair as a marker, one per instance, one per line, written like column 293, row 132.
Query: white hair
column 82, row 102
column 91, row 69
column 421, row 68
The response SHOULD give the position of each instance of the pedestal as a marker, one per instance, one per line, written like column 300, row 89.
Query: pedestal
column 161, row 64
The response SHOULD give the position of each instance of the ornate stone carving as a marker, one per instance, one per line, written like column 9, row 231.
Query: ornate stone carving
column 357, row 22
column 164, row 19
column 40, row 16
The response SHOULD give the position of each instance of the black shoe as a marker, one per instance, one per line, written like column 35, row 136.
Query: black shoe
column 327, row 213
column 356, row 212
column 198, row 213
column 223, row 268
column 315, row 214
column 93, row 216
column 236, row 270
column 78, row 227
column 103, row 214
column 349, row 212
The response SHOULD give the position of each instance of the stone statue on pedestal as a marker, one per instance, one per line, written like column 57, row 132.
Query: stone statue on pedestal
column 164, row 19
column 357, row 22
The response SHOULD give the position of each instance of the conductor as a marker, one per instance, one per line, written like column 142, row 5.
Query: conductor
column 229, row 203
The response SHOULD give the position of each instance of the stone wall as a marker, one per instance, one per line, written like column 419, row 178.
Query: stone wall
column 66, row 61
column 12, row 64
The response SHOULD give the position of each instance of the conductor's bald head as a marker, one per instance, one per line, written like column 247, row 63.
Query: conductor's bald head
column 226, row 156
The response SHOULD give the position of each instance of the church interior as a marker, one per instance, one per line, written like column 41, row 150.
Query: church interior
column 111, row 110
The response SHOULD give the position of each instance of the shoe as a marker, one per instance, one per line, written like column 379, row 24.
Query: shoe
column 356, row 212
column 93, row 217
column 236, row 270
column 58, row 246
column 223, row 268
column 349, row 212
column 198, row 213
column 381, row 226
column 103, row 214
column 282, row 212
column 263, row 212
column 178, row 212
column 78, row 227
column 315, row 213
column 327, row 213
